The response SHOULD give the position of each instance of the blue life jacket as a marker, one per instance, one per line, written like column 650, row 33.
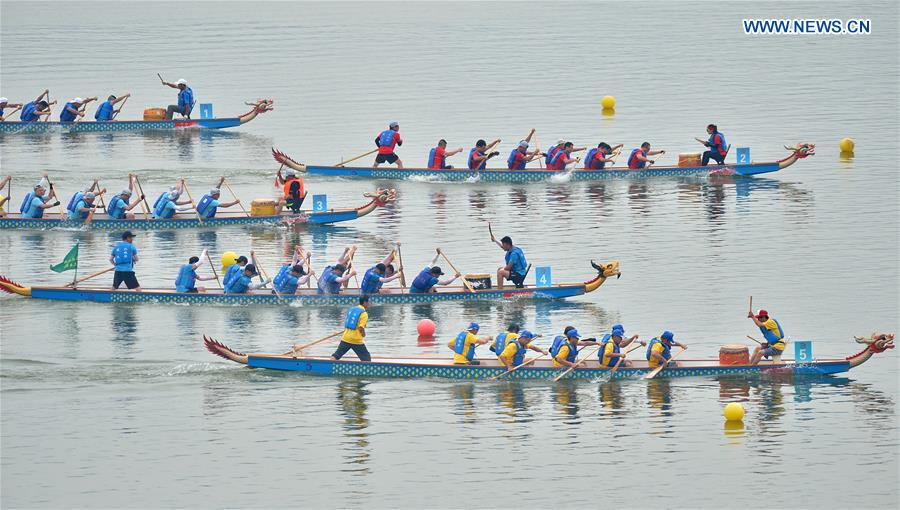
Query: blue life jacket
column 423, row 281
column 326, row 286
column 560, row 341
column 633, row 162
column 386, row 137
column 116, row 207
column 65, row 115
column 481, row 166
column 281, row 276
column 589, row 160
column 511, row 161
column 443, row 162
column 772, row 338
column 499, row 343
column 26, row 203
column 29, row 112
column 550, row 154
column 602, row 350
column 203, row 205
column 186, row 99
column 353, row 315
column 122, row 253
column 721, row 146
column 72, row 207
column 75, row 214
column 162, row 197
column 232, row 272
column 104, row 112
column 238, row 285
column 555, row 158
column 667, row 349
column 159, row 208
column 519, row 356
column 186, row 278
column 459, row 346
column 371, row 282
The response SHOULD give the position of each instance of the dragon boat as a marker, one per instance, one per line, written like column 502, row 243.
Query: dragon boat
column 800, row 151
column 17, row 127
column 443, row 368
column 311, row 296
column 144, row 222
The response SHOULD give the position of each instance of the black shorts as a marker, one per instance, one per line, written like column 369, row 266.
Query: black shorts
column 386, row 158
column 126, row 277
column 517, row 279
column 360, row 349
column 294, row 203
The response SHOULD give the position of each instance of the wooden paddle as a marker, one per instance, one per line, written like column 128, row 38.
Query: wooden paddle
column 308, row 269
column 96, row 185
column 300, row 348
column 262, row 273
column 400, row 261
column 342, row 163
column 53, row 190
column 222, row 181
column 537, row 145
column 463, row 278
column 621, row 360
column 577, row 363
column 751, row 304
column 98, row 273
column 49, row 110
column 215, row 273
column 350, row 264
column 116, row 112
column 8, row 115
column 193, row 204
column 513, row 369
column 90, row 216
column 144, row 199
column 661, row 366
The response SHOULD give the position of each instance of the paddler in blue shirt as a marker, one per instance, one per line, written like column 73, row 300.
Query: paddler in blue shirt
column 233, row 270
column 37, row 200
column 427, row 278
column 83, row 206
column 118, row 207
column 4, row 104
column 185, row 99
column 379, row 274
column 516, row 266
column 513, row 354
column 107, row 109
column 187, row 275
column 716, row 144
column 32, row 111
column 209, row 204
column 74, row 109
column 291, row 276
column 244, row 282
column 336, row 276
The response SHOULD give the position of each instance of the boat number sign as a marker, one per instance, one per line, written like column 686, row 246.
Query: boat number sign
column 320, row 203
column 743, row 155
column 542, row 277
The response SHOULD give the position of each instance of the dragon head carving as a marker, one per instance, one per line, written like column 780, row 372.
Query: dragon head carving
column 607, row 270
column 802, row 150
column 262, row 105
column 877, row 342
column 382, row 196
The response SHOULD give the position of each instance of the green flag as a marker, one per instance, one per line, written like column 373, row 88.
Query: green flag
column 70, row 262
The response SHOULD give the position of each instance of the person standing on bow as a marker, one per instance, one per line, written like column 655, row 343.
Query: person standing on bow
column 437, row 158
column 209, row 204
column 772, row 332
column 659, row 350
column 124, row 255
column 354, row 336
column 597, row 158
column 187, row 275
column 611, row 347
column 74, row 109
column 428, row 277
column 37, row 200
column 716, row 144
column 335, row 276
column 4, row 104
column 463, row 346
column 520, row 156
column 379, row 274
column 185, row 99
column 516, row 265
column 513, row 354
column 386, row 141
column 32, row 111
column 480, row 154
column 294, row 190
column 639, row 157
column 107, row 109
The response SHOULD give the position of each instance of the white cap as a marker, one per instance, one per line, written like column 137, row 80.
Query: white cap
column 523, row 143
column 181, row 82
column 173, row 195
column 560, row 142
column 214, row 191
column 3, row 100
column 78, row 100
column 394, row 124
column 290, row 171
column 125, row 192
column 39, row 185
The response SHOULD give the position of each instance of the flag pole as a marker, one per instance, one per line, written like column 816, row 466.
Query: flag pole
column 75, row 279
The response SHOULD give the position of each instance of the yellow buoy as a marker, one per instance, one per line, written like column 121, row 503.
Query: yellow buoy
column 608, row 102
column 228, row 258
column 847, row 145
column 734, row 412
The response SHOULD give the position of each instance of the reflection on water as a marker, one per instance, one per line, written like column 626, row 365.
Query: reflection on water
column 124, row 327
column 352, row 399
column 610, row 395
column 565, row 398
column 659, row 395
column 463, row 396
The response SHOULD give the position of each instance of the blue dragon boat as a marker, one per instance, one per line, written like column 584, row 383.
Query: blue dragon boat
column 19, row 127
column 309, row 296
column 538, row 175
column 443, row 368
column 144, row 222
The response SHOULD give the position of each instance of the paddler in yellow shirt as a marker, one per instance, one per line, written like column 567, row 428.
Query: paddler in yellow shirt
column 659, row 350
column 612, row 345
column 513, row 354
column 565, row 348
column 464, row 344
column 355, row 332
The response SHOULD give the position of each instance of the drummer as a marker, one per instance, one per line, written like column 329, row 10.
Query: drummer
column 716, row 144
column 774, row 335
column 516, row 266
column 294, row 190
column 659, row 350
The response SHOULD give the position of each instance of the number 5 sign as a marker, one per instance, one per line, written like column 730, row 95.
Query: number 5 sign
column 542, row 277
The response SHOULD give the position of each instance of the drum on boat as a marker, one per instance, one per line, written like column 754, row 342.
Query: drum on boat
column 734, row 354
column 154, row 114
column 479, row 280
column 262, row 207
column 689, row 159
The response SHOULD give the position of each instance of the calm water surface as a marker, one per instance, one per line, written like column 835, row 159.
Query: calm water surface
column 120, row 406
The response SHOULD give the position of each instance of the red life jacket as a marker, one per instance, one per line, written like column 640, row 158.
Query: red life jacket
column 633, row 162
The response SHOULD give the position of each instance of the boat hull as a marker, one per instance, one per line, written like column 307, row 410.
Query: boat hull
column 536, row 175
column 307, row 298
column 14, row 223
column 16, row 127
column 406, row 370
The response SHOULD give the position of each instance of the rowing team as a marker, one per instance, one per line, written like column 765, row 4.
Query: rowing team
column 512, row 345
column 557, row 158
column 74, row 110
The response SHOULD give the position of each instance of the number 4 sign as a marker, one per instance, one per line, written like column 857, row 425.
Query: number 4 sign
column 542, row 277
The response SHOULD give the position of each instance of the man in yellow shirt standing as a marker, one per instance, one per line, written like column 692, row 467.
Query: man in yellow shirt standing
column 464, row 345
column 355, row 332
column 513, row 354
